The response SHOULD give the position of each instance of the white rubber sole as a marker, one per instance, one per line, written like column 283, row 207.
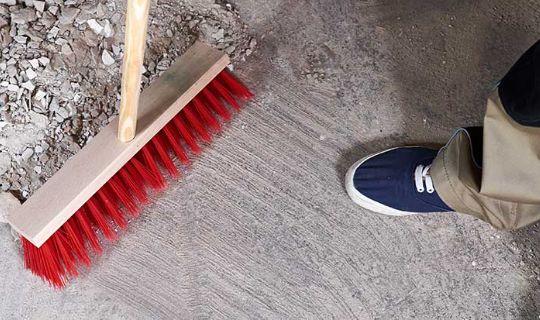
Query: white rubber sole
column 364, row 201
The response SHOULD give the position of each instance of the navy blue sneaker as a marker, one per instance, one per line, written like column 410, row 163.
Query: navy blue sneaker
column 395, row 182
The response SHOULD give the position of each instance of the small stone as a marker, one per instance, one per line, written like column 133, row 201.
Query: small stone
column 28, row 85
column 31, row 74
column 27, row 153
column 4, row 186
column 37, row 169
column 23, row 16
column 253, row 43
column 61, row 41
column 39, row 95
column 95, row 26
column 53, row 10
column 53, row 106
column 34, row 63
column 44, row 61
column 230, row 49
column 107, row 58
column 39, row 5
column 12, row 87
column 62, row 112
column 38, row 149
column 116, row 50
column 107, row 29
column 219, row 34
column 66, row 49
column 68, row 15
column 20, row 39
column 53, row 32
column 8, row 2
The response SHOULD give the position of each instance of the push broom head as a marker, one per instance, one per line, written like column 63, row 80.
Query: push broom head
column 101, row 188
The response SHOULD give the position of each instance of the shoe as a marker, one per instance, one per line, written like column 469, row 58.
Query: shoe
column 395, row 182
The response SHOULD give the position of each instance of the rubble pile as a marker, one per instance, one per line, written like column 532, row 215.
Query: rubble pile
column 60, row 72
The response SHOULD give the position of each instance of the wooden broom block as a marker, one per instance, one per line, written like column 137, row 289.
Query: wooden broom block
column 87, row 171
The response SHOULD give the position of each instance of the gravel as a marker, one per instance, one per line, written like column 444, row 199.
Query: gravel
column 60, row 72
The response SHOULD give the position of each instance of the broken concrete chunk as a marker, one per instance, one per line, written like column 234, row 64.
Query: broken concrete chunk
column 95, row 26
column 27, row 153
column 44, row 61
column 28, row 85
column 62, row 113
column 34, row 63
column 31, row 74
column 53, row 32
column 107, row 58
column 53, row 10
column 68, row 15
column 23, row 16
column 20, row 39
column 39, row 95
column 39, row 5
column 107, row 29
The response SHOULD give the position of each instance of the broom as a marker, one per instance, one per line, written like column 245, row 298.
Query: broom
column 101, row 188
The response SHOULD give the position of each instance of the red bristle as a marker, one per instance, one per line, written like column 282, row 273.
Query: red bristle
column 134, row 182
column 221, row 91
column 30, row 258
column 163, row 156
column 50, row 269
column 64, row 253
column 194, row 122
column 205, row 114
column 144, row 173
column 73, row 234
column 175, row 144
column 84, row 223
column 216, row 104
column 110, row 207
column 151, row 164
column 190, row 140
column 99, row 220
column 117, row 188
column 234, row 85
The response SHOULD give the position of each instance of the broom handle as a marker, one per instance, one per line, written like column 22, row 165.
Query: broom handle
column 135, row 42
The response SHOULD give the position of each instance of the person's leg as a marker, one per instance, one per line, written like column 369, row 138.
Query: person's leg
column 491, row 173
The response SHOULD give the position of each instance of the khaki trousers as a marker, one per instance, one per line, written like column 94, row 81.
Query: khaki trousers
column 494, row 175
column 493, row 172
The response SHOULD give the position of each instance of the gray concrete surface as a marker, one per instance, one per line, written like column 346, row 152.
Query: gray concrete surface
column 261, row 228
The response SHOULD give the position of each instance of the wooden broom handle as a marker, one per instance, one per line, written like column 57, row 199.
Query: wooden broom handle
column 135, row 43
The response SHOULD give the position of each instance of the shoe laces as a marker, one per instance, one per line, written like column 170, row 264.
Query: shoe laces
column 422, row 179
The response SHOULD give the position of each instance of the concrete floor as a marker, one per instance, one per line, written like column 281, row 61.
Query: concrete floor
column 262, row 227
